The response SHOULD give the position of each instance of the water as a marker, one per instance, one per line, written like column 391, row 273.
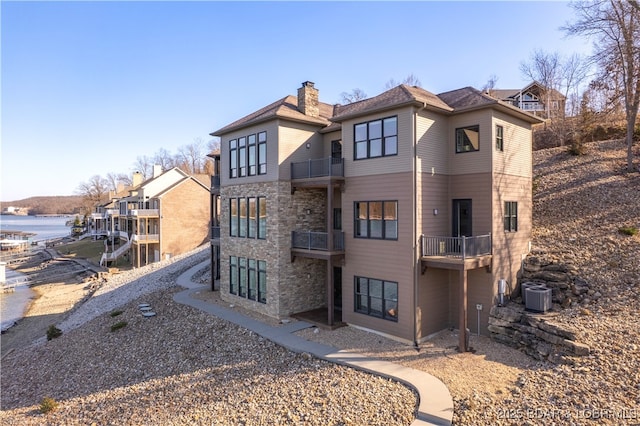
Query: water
column 13, row 305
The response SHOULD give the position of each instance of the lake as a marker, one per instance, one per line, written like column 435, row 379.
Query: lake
column 13, row 305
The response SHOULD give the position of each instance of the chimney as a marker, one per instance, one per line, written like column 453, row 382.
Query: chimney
column 157, row 170
column 308, row 100
column 137, row 179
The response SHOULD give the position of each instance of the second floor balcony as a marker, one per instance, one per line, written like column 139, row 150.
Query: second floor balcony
column 215, row 184
column 319, row 245
column 145, row 238
column 456, row 252
column 144, row 212
column 215, row 235
column 317, row 172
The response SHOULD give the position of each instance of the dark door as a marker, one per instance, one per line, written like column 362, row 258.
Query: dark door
column 462, row 218
column 337, row 288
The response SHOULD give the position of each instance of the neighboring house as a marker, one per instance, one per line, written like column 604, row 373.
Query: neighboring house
column 162, row 217
column 396, row 213
column 535, row 99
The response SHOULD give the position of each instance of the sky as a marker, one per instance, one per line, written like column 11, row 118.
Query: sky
column 88, row 87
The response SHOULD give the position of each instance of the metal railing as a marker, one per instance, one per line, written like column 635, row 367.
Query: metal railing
column 317, row 168
column 145, row 212
column 215, row 182
column 456, row 247
column 317, row 240
column 215, row 232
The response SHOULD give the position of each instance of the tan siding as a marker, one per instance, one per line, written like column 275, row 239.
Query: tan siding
column 517, row 158
column 272, row 154
column 381, row 259
column 477, row 161
column 434, row 194
column 292, row 141
column 433, row 143
column 476, row 187
column 433, row 301
column 327, row 138
column 376, row 166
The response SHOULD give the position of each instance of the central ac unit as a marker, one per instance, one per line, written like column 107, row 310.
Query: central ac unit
column 538, row 299
column 524, row 286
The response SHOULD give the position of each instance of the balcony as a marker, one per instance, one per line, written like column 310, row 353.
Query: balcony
column 316, row 244
column 215, row 235
column 317, row 173
column 145, row 213
column 456, row 252
column 145, row 238
column 215, row 184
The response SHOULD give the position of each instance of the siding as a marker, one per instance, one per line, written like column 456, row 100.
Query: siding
column 433, row 301
column 433, row 193
column 517, row 157
column 327, row 138
column 402, row 162
column 292, row 141
column 433, row 145
column 476, row 187
column 477, row 161
column 382, row 259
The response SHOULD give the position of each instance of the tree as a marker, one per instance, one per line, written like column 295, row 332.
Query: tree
column 354, row 96
column 410, row 80
column 164, row 159
column 144, row 165
column 614, row 27
column 191, row 158
column 490, row 85
column 94, row 192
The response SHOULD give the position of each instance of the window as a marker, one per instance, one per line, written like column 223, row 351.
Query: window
column 262, row 153
column 510, row 216
column 468, row 139
column 248, row 155
column 499, row 138
column 248, row 217
column 252, row 154
column 377, row 298
column 233, row 275
column 233, row 158
column 376, row 219
column 248, row 278
column 378, row 138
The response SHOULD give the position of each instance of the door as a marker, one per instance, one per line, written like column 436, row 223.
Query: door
column 337, row 288
column 462, row 218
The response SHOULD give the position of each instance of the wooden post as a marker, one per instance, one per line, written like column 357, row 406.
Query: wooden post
column 462, row 339
column 330, row 284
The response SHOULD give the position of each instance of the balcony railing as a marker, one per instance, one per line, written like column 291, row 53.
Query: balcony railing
column 145, row 237
column 145, row 212
column 456, row 247
column 215, row 232
column 317, row 168
column 215, row 182
column 317, row 240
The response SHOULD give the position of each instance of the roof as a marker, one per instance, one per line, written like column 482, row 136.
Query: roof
column 513, row 93
column 286, row 108
column 398, row 96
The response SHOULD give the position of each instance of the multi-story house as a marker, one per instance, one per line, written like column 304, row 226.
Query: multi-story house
column 534, row 98
column 395, row 214
column 161, row 217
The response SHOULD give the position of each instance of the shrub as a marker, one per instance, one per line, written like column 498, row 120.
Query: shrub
column 115, row 313
column 48, row 405
column 118, row 325
column 53, row 332
column 628, row 230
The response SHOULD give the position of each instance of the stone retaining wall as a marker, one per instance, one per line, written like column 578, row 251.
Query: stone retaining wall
column 535, row 334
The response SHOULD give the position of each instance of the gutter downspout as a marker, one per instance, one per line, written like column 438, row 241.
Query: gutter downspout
column 414, row 221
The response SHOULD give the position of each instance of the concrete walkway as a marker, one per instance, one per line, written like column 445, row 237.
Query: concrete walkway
column 435, row 403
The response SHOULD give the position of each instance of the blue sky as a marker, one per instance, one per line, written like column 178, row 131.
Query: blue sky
column 87, row 87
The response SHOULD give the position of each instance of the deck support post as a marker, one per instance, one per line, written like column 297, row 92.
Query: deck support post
column 463, row 335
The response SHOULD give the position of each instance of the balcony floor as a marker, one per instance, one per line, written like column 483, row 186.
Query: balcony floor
column 456, row 263
column 333, row 256
column 319, row 318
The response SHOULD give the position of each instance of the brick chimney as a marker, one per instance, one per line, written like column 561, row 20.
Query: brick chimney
column 308, row 100
column 137, row 179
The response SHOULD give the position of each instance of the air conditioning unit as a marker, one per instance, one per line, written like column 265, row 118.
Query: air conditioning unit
column 523, row 289
column 538, row 299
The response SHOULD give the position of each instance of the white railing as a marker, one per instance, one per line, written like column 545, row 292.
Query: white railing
column 109, row 257
column 145, row 212
column 145, row 237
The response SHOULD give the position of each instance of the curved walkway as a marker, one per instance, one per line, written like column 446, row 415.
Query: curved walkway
column 435, row 406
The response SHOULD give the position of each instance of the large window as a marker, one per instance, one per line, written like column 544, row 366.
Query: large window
column 248, row 155
column 248, row 278
column 248, row 217
column 376, row 219
column 499, row 138
column 511, row 216
column 377, row 298
column 378, row 138
column 468, row 139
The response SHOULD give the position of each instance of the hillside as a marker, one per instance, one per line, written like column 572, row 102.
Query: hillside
column 71, row 204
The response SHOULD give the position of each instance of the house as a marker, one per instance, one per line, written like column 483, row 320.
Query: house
column 395, row 214
column 535, row 99
column 161, row 217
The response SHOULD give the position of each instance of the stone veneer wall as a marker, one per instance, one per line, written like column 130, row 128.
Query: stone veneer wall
column 291, row 286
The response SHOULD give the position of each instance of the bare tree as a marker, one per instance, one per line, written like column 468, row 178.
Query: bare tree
column 164, row 159
column 213, row 145
column 94, row 192
column 354, row 96
column 490, row 85
column 144, row 165
column 614, row 27
column 410, row 80
column 191, row 158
